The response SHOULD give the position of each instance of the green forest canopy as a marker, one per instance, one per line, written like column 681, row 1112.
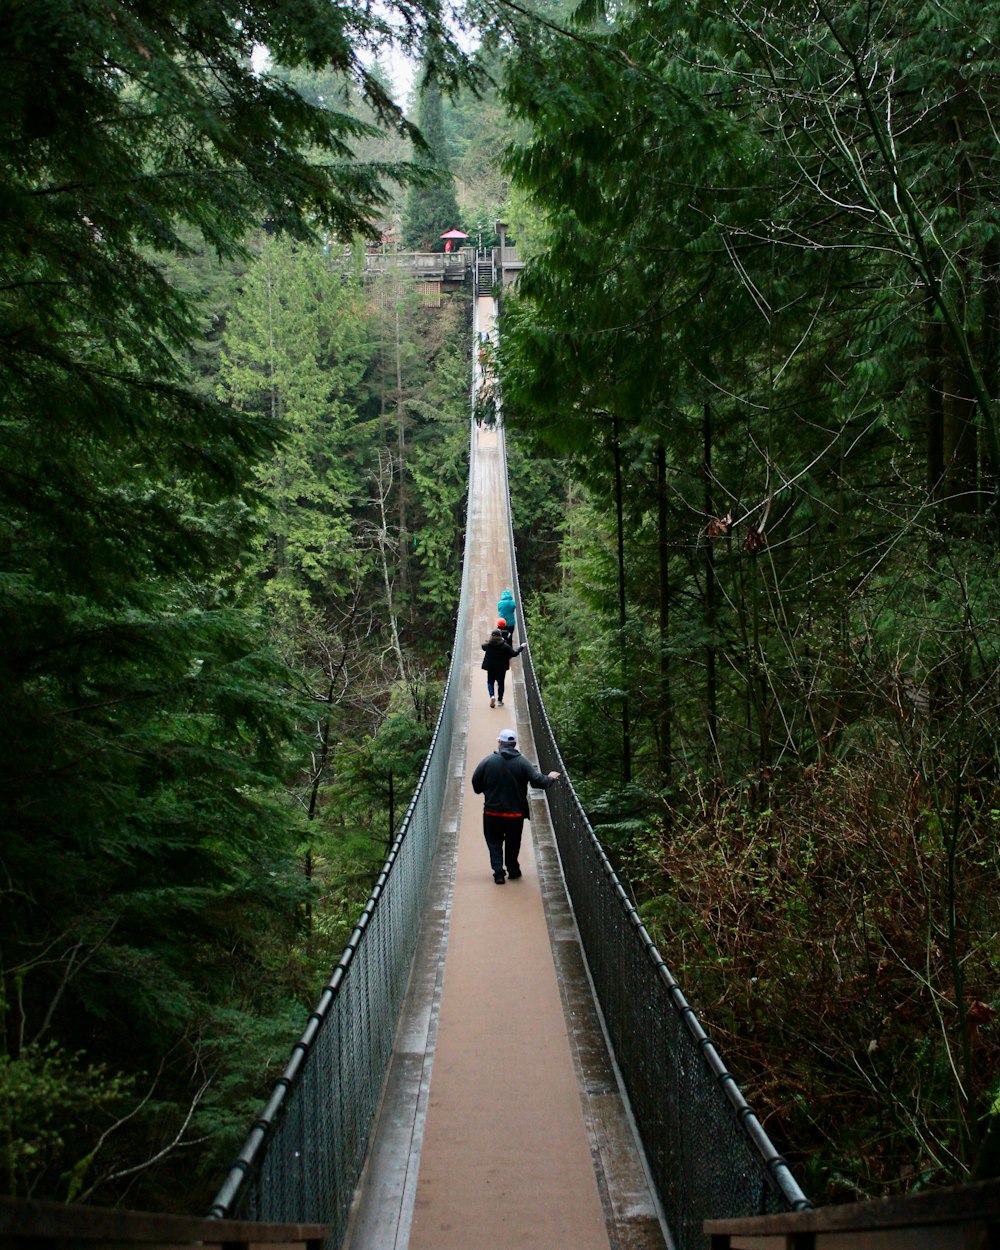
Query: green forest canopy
column 193, row 546
column 764, row 264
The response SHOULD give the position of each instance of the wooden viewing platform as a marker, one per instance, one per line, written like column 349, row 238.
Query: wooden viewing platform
column 966, row 1217
column 450, row 270
column 453, row 267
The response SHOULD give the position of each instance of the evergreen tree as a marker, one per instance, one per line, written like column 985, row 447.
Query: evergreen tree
column 431, row 207
column 148, row 878
column 770, row 270
column 296, row 349
column 437, row 463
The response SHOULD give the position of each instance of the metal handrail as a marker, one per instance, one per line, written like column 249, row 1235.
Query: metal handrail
column 790, row 1196
column 233, row 1190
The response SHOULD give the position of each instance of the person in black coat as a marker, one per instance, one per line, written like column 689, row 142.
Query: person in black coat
column 503, row 779
column 496, row 662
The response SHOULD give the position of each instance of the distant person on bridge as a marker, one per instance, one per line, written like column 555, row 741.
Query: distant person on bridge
column 503, row 779
column 507, row 609
column 496, row 661
column 506, row 631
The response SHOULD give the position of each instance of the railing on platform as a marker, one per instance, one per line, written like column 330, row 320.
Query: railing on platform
column 486, row 267
column 304, row 1154
column 430, row 266
column 708, row 1154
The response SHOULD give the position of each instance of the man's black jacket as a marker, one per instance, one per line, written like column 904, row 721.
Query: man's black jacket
column 503, row 779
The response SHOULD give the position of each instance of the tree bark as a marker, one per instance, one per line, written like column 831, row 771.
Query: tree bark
column 711, row 689
column 401, row 454
column 622, row 617
column 935, row 406
column 665, row 710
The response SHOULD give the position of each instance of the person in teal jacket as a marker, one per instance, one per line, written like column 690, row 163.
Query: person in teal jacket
column 506, row 608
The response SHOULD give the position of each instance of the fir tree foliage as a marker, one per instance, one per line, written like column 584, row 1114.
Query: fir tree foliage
column 431, row 206
column 765, row 292
column 149, row 879
column 296, row 351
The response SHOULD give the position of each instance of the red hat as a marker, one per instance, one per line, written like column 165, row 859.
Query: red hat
column 501, row 623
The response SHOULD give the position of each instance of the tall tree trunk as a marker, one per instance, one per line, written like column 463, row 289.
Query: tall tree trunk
column 990, row 351
column 321, row 760
column 711, row 689
column 277, row 416
column 626, row 727
column 935, row 405
column 665, row 711
column 383, row 485
column 401, row 455
column 318, row 769
column 960, row 433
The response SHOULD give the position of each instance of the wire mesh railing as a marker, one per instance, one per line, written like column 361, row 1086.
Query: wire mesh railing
column 708, row 1154
column 303, row 1156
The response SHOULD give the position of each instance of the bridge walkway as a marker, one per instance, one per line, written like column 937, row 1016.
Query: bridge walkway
column 502, row 1125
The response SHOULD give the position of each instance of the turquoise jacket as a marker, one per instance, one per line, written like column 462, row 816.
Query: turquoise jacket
column 505, row 607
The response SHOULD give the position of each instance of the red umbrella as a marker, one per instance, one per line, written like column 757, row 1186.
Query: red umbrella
column 453, row 234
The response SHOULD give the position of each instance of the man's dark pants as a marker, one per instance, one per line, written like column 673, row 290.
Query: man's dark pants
column 503, row 837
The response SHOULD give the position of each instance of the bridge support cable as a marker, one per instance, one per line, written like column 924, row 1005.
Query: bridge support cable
column 707, row 1151
column 303, row 1155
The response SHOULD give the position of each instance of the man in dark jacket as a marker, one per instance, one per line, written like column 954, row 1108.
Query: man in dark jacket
column 496, row 661
column 503, row 779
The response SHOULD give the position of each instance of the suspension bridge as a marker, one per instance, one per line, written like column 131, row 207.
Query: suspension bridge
column 506, row 1068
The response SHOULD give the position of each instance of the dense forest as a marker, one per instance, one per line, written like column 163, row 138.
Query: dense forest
column 764, row 262
column 233, row 486
column 750, row 379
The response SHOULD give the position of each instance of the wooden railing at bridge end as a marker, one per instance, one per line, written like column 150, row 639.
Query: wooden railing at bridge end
column 966, row 1217
column 27, row 1224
